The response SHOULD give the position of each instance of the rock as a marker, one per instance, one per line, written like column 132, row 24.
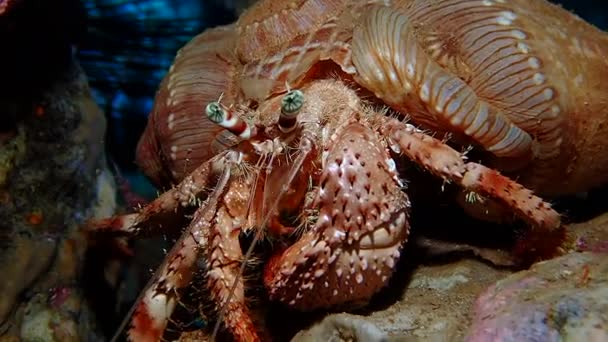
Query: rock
column 52, row 180
column 342, row 327
column 42, row 322
column 437, row 300
column 591, row 235
column 564, row 299
column 11, row 153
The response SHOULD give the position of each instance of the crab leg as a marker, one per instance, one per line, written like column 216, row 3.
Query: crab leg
column 182, row 195
column 225, row 257
column 447, row 163
column 154, row 308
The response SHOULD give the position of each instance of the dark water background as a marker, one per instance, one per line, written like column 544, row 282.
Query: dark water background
column 129, row 45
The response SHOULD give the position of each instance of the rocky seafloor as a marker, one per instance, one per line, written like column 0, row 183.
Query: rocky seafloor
column 468, row 298
column 447, row 291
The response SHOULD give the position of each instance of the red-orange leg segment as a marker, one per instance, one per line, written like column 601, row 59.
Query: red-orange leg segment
column 224, row 256
column 182, row 195
column 447, row 163
column 153, row 309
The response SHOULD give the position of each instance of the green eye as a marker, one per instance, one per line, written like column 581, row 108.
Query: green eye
column 215, row 113
column 292, row 102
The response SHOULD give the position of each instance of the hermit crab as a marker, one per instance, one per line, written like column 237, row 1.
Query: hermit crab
column 283, row 115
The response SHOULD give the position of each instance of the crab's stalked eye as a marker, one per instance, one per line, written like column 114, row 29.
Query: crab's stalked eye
column 226, row 118
column 215, row 113
column 291, row 104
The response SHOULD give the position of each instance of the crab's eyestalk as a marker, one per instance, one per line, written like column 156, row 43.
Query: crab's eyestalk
column 291, row 104
column 227, row 119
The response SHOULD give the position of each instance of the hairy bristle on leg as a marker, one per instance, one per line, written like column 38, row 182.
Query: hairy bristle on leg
column 447, row 163
column 305, row 148
column 152, row 310
column 184, row 194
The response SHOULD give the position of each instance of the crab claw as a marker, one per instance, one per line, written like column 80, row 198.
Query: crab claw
column 351, row 251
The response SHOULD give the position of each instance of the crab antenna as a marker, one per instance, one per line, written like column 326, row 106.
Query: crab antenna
column 291, row 104
column 227, row 119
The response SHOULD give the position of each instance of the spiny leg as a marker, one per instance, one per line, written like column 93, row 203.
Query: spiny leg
column 447, row 163
column 305, row 148
column 224, row 256
column 184, row 194
column 238, row 321
column 153, row 309
column 191, row 187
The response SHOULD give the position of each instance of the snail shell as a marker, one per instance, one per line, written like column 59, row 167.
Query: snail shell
column 179, row 136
